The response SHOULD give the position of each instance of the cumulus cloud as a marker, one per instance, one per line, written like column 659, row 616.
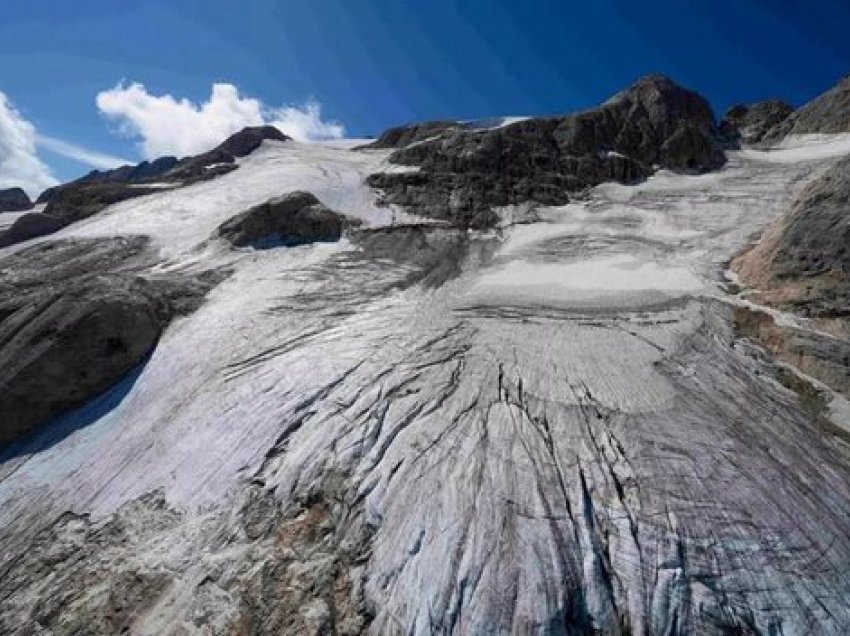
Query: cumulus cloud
column 93, row 158
column 164, row 125
column 19, row 162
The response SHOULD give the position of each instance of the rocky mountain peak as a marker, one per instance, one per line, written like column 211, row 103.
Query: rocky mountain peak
column 661, row 97
column 249, row 139
column 465, row 173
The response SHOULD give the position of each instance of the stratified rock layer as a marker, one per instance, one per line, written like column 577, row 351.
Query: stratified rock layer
column 464, row 174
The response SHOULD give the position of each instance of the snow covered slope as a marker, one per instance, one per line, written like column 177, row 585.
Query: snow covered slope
column 560, row 434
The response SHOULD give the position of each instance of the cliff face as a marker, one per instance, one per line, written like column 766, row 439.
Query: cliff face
column 804, row 258
column 801, row 264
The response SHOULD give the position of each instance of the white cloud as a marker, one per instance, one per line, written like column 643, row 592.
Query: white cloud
column 164, row 125
column 93, row 158
column 306, row 123
column 19, row 162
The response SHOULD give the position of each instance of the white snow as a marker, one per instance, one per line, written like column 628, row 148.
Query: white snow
column 361, row 374
column 180, row 220
column 493, row 122
column 223, row 381
column 595, row 277
column 799, row 148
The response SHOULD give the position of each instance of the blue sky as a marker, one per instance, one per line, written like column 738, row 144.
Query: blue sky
column 374, row 64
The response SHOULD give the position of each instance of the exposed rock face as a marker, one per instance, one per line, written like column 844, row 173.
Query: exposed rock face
column 14, row 200
column 45, row 196
column 30, row 226
column 138, row 173
column 465, row 173
column 818, row 355
column 803, row 260
column 73, row 320
column 79, row 201
column 401, row 136
column 802, row 264
column 220, row 160
column 827, row 113
column 94, row 192
column 751, row 122
column 247, row 140
column 292, row 219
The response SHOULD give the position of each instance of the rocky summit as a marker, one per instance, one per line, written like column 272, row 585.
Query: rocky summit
column 463, row 174
column 582, row 374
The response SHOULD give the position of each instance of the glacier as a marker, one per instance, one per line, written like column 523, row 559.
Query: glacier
column 548, row 427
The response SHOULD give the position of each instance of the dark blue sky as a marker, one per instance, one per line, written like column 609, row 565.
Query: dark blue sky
column 379, row 63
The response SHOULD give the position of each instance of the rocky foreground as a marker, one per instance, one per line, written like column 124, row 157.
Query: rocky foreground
column 281, row 401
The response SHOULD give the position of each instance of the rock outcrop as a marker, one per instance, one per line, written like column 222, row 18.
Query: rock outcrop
column 749, row 123
column 401, row 136
column 80, row 201
column 74, row 318
column 92, row 193
column 803, row 260
column 14, row 200
column 222, row 158
column 30, row 226
column 802, row 265
column 292, row 219
column 169, row 170
column 139, row 173
column 827, row 113
column 247, row 140
column 464, row 174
